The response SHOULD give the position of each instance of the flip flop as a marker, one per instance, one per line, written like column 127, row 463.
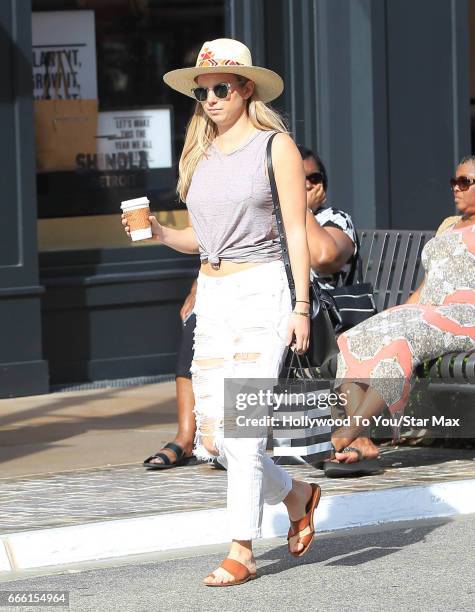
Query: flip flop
column 238, row 571
column 181, row 458
column 362, row 467
column 216, row 465
column 306, row 521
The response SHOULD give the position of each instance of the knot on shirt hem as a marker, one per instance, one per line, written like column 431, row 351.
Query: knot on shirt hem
column 214, row 261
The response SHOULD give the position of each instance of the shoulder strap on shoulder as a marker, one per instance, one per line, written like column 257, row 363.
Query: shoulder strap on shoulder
column 278, row 217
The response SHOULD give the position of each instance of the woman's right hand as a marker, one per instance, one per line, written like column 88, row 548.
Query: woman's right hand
column 157, row 229
column 126, row 225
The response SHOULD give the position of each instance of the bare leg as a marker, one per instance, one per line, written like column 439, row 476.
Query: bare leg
column 186, row 417
column 371, row 404
column 296, row 502
column 185, row 401
column 241, row 550
column 355, row 395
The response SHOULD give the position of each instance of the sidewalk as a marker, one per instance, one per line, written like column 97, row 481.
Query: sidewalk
column 71, row 474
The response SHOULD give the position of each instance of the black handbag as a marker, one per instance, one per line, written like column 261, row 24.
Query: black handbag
column 323, row 344
column 354, row 300
column 308, row 441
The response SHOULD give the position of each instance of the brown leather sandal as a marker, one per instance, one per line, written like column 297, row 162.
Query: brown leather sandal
column 238, row 571
column 296, row 527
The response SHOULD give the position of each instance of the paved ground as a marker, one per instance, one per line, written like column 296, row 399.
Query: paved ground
column 81, row 496
column 70, row 458
column 418, row 566
column 84, row 429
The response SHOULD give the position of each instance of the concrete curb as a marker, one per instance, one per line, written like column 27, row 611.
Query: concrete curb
column 132, row 536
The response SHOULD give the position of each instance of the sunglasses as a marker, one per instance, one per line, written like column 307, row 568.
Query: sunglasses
column 220, row 90
column 463, row 182
column 315, row 178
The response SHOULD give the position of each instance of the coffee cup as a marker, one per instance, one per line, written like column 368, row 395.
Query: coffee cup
column 137, row 213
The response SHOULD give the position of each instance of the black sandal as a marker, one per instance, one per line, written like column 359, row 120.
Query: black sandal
column 362, row 467
column 181, row 458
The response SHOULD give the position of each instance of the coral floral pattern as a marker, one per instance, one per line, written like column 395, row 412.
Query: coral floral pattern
column 384, row 350
column 207, row 59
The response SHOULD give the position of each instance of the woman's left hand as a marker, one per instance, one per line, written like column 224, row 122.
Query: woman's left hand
column 298, row 334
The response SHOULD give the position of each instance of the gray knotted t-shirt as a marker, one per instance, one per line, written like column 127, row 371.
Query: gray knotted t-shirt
column 230, row 205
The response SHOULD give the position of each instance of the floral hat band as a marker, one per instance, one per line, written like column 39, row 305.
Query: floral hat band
column 220, row 62
column 227, row 56
column 207, row 58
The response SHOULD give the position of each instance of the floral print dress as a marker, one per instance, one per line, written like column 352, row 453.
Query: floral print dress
column 384, row 350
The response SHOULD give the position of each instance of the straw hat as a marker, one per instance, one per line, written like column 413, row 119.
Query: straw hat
column 226, row 55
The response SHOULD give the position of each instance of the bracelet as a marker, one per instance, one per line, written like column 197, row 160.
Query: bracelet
column 303, row 301
column 302, row 314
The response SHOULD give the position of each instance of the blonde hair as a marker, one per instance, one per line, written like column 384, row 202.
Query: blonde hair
column 201, row 131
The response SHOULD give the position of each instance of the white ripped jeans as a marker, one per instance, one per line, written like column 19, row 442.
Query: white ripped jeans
column 241, row 328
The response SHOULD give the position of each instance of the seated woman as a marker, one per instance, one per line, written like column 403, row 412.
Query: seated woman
column 331, row 234
column 332, row 243
column 438, row 318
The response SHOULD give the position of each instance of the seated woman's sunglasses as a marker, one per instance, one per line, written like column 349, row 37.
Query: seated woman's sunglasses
column 315, row 178
column 463, row 182
column 220, row 90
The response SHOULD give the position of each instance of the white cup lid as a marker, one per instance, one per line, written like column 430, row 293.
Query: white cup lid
column 135, row 202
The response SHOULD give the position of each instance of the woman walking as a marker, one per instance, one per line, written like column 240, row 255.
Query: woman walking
column 244, row 317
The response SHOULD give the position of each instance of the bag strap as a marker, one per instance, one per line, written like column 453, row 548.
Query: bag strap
column 359, row 260
column 315, row 295
column 303, row 366
column 279, row 220
column 356, row 270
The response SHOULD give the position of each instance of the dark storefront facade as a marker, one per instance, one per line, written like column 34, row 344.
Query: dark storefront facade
column 381, row 88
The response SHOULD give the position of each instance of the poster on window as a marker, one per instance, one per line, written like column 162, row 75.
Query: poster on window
column 64, row 55
column 133, row 156
column 131, row 140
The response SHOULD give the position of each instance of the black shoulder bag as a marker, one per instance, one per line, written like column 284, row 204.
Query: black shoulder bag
column 354, row 299
column 323, row 344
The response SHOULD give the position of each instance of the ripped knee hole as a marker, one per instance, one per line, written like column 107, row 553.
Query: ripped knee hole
column 246, row 356
column 208, row 363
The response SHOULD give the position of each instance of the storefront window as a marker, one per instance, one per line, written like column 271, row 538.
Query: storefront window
column 126, row 143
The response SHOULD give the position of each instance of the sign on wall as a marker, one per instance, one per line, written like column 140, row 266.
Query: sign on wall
column 131, row 140
column 64, row 55
column 134, row 156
